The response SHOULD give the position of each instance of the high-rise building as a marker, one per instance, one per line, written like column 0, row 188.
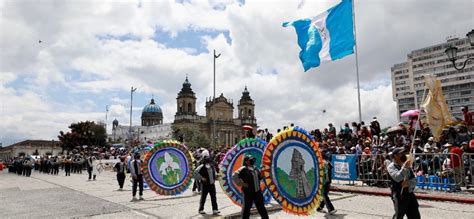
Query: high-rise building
column 408, row 85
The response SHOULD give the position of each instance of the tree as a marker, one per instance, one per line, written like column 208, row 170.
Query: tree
column 191, row 137
column 83, row 133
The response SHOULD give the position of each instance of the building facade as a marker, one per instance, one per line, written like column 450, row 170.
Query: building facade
column 151, row 129
column 30, row 147
column 141, row 134
column 219, row 124
column 408, row 85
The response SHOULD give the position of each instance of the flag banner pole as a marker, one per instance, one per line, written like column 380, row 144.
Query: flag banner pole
column 357, row 62
column 418, row 120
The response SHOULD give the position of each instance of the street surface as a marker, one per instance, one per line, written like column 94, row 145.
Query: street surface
column 47, row 196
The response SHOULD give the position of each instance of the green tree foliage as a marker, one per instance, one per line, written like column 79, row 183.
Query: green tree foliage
column 192, row 138
column 83, row 133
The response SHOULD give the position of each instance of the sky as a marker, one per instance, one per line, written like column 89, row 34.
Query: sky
column 92, row 52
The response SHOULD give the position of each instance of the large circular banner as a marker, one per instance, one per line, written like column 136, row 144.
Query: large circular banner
column 168, row 168
column 293, row 171
column 234, row 160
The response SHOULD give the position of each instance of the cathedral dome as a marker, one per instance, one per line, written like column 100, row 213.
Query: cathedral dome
column 151, row 108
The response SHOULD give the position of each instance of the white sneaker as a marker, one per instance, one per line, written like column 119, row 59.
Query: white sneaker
column 134, row 199
column 141, row 198
column 202, row 212
column 321, row 210
column 216, row 212
column 333, row 212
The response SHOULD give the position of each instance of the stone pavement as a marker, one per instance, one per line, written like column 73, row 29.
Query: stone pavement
column 46, row 196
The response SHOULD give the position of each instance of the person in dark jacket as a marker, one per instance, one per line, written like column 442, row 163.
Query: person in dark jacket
column 249, row 178
column 137, row 177
column 403, row 186
column 120, row 169
column 206, row 173
column 67, row 166
column 327, row 185
column 89, row 166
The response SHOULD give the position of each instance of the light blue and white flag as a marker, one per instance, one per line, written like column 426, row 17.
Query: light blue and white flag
column 326, row 37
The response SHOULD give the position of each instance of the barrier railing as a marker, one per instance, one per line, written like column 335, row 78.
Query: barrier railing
column 439, row 171
column 468, row 159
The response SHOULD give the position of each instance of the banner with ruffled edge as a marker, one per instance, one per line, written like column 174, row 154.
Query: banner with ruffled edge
column 167, row 168
column 233, row 160
column 293, row 171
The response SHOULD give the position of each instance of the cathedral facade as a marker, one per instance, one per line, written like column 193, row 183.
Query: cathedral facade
column 219, row 124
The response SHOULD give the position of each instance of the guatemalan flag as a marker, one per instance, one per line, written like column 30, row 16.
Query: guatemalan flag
column 326, row 37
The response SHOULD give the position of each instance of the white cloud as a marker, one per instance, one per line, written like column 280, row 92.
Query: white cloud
column 72, row 56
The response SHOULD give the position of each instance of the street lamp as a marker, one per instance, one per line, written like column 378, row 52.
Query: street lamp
column 131, row 104
column 452, row 52
column 52, row 147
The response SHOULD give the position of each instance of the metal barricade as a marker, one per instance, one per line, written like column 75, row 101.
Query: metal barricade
column 372, row 170
column 468, row 159
column 439, row 171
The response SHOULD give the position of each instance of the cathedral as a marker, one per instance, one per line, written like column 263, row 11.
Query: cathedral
column 219, row 124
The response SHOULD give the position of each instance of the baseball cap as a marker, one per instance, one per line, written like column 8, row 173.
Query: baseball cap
column 398, row 151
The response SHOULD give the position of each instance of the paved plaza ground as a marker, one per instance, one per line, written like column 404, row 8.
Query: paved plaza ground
column 46, row 196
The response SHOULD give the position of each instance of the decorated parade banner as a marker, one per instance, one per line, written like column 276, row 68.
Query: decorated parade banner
column 344, row 167
column 167, row 168
column 293, row 171
column 233, row 161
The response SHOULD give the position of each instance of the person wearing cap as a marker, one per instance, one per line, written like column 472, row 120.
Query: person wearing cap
column 206, row 173
column 249, row 177
column 137, row 177
column 456, row 164
column 403, row 183
column 429, row 145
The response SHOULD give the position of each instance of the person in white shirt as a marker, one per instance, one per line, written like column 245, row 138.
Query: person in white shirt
column 430, row 144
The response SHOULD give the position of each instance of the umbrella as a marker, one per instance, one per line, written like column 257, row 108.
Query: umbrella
column 410, row 113
column 247, row 127
column 395, row 129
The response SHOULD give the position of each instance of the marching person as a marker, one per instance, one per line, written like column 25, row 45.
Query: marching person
column 403, row 185
column 90, row 165
column 137, row 177
column 206, row 173
column 97, row 168
column 248, row 177
column 120, row 169
column 67, row 166
column 327, row 185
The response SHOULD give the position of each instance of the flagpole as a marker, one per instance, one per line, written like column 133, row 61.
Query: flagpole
column 357, row 62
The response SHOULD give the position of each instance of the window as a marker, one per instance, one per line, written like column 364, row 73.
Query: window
column 190, row 108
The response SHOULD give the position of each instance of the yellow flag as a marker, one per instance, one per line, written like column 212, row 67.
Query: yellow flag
column 436, row 109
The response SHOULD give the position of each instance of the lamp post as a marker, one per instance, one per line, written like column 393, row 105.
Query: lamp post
column 52, row 147
column 131, row 104
column 214, row 99
column 452, row 52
